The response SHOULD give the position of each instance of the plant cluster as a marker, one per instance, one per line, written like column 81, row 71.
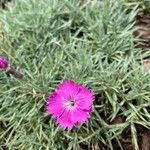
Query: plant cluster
column 91, row 43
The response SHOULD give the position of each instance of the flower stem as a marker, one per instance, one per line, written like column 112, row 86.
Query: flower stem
column 14, row 72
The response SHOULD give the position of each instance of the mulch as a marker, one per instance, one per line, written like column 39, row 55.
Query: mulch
column 143, row 32
column 143, row 137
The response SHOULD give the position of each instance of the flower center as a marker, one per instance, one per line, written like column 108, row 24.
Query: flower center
column 70, row 103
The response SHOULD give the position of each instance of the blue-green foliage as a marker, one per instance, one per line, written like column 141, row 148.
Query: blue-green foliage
column 93, row 44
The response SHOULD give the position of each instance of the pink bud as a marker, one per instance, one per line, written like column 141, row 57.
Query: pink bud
column 3, row 63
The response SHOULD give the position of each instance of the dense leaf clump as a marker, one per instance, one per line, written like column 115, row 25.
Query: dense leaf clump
column 91, row 43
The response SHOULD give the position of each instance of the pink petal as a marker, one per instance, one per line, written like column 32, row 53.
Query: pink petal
column 55, row 105
column 68, row 89
column 84, row 98
column 65, row 120
column 79, row 116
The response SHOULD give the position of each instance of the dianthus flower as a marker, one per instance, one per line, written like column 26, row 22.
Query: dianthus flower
column 71, row 104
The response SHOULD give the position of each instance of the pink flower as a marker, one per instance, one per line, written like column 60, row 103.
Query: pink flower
column 71, row 104
column 3, row 63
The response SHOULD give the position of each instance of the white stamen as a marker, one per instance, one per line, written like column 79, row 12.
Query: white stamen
column 70, row 104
